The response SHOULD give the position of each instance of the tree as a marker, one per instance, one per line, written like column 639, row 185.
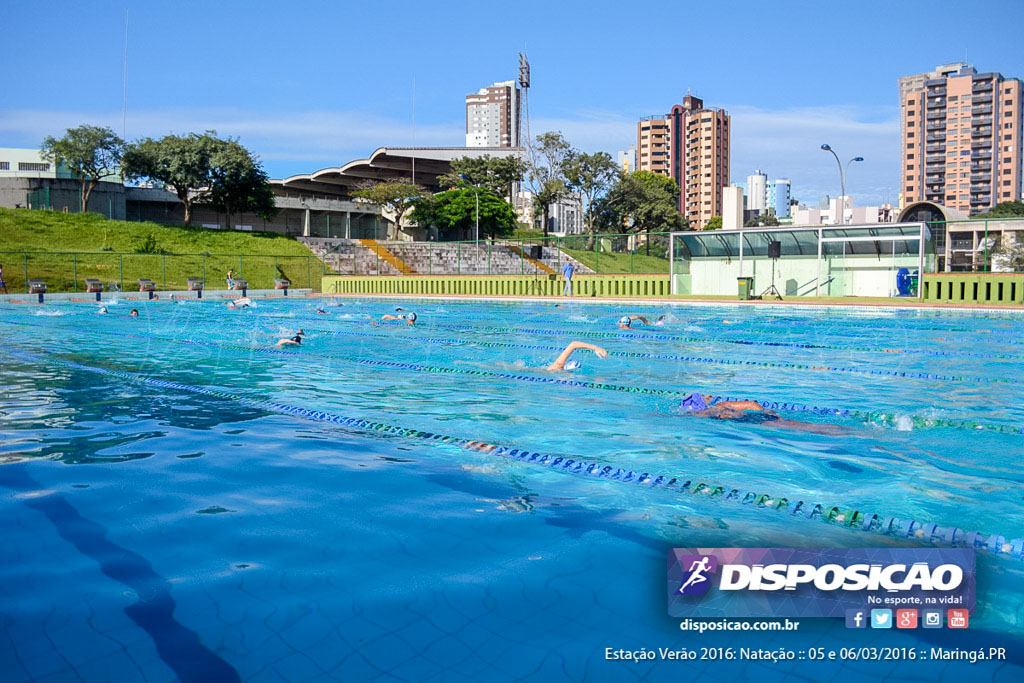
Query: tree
column 397, row 196
column 591, row 175
column 546, row 173
column 714, row 223
column 641, row 202
column 456, row 210
column 203, row 169
column 497, row 174
column 89, row 152
column 1003, row 210
column 766, row 220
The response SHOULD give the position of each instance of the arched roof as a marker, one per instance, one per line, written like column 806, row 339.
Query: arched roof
column 929, row 211
column 388, row 164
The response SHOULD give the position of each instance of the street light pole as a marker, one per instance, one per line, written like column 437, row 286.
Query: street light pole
column 476, row 191
column 841, row 204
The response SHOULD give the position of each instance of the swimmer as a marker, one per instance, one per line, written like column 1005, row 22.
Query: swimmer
column 626, row 321
column 292, row 341
column 102, row 310
column 320, row 311
column 563, row 362
column 239, row 303
column 409, row 317
column 750, row 412
column 134, row 313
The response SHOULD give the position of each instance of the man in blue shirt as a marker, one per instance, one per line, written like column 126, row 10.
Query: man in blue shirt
column 567, row 271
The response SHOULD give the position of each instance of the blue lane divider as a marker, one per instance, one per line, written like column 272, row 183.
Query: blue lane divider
column 929, row 533
column 873, row 416
column 756, row 363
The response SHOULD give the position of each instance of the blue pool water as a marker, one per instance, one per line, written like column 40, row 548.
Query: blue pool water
column 198, row 532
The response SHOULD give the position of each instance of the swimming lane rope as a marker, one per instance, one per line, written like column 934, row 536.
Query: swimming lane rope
column 923, row 532
column 873, row 417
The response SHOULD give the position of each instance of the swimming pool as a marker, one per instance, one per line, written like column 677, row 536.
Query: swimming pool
column 185, row 500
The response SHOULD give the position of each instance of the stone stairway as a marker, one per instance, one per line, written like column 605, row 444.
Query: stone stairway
column 356, row 257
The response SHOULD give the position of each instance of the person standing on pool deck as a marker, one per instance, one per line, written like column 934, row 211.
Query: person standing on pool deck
column 567, row 270
column 563, row 362
column 2, row 283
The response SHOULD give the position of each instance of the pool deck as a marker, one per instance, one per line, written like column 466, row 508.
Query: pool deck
column 816, row 302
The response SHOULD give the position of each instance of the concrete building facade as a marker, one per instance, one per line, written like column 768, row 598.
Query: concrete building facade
column 961, row 138
column 732, row 208
column 652, row 142
column 626, row 160
column 757, row 191
column 492, row 116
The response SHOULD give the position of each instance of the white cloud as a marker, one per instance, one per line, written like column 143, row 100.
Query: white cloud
column 324, row 138
column 783, row 143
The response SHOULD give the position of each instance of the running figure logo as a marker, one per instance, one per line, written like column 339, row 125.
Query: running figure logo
column 698, row 566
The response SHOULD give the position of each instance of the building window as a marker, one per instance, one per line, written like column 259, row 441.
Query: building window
column 910, row 145
column 910, row 167
column 1007, row 125
column 1006, row 171
column 909, row 177
column 910, row 101
column 32, row 166
column 1007, row 182
column 910, row 134
column 5, row 166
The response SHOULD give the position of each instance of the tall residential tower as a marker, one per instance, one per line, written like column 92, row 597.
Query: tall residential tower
column 961, row 138
column 492, row 116
column 691, row 145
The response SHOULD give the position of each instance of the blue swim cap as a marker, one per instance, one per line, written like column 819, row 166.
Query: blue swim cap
column 693, row 403
column 573, row 365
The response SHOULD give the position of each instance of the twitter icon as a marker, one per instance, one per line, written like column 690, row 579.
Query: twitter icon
column 881, row 618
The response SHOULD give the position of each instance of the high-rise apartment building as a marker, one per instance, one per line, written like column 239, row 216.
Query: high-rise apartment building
column 691, row 145
column 492, row 116
column 652, row 140
column 780, row 198
column 961, row 138
column 757, row 191
column 699, row 158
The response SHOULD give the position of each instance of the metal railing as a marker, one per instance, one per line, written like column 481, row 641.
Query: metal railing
column 67, row 271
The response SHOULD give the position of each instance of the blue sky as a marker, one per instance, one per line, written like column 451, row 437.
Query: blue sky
column 314, row 84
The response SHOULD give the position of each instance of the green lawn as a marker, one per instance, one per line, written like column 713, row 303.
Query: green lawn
column 606, row 262
column 92, row 246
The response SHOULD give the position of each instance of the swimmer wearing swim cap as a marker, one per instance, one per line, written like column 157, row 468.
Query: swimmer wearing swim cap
column 563, row 362
column 292, row 341
column 626, row 321
column 748, row 412
column 409, row 317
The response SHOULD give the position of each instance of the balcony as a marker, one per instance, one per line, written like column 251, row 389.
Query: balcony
column 934, row 115
column 934, row 137
column 981, row 132
column 980, row 143
column 982, row 87
column 981, row 154
column 934, row 102
column 937, row 92
column 976, row 179
column 935, row 148
column 985, row 109
column 938, row 159
column 981, row 168
column 982, row 99
column 982, row 121
column 936, row 126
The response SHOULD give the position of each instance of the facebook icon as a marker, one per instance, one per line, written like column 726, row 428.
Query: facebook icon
column 856, row 618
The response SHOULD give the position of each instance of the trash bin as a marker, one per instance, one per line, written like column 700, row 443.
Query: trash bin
column 746, row 286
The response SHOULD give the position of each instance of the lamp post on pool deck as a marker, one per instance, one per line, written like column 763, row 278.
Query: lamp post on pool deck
column 476, row 191
column 841, row 204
